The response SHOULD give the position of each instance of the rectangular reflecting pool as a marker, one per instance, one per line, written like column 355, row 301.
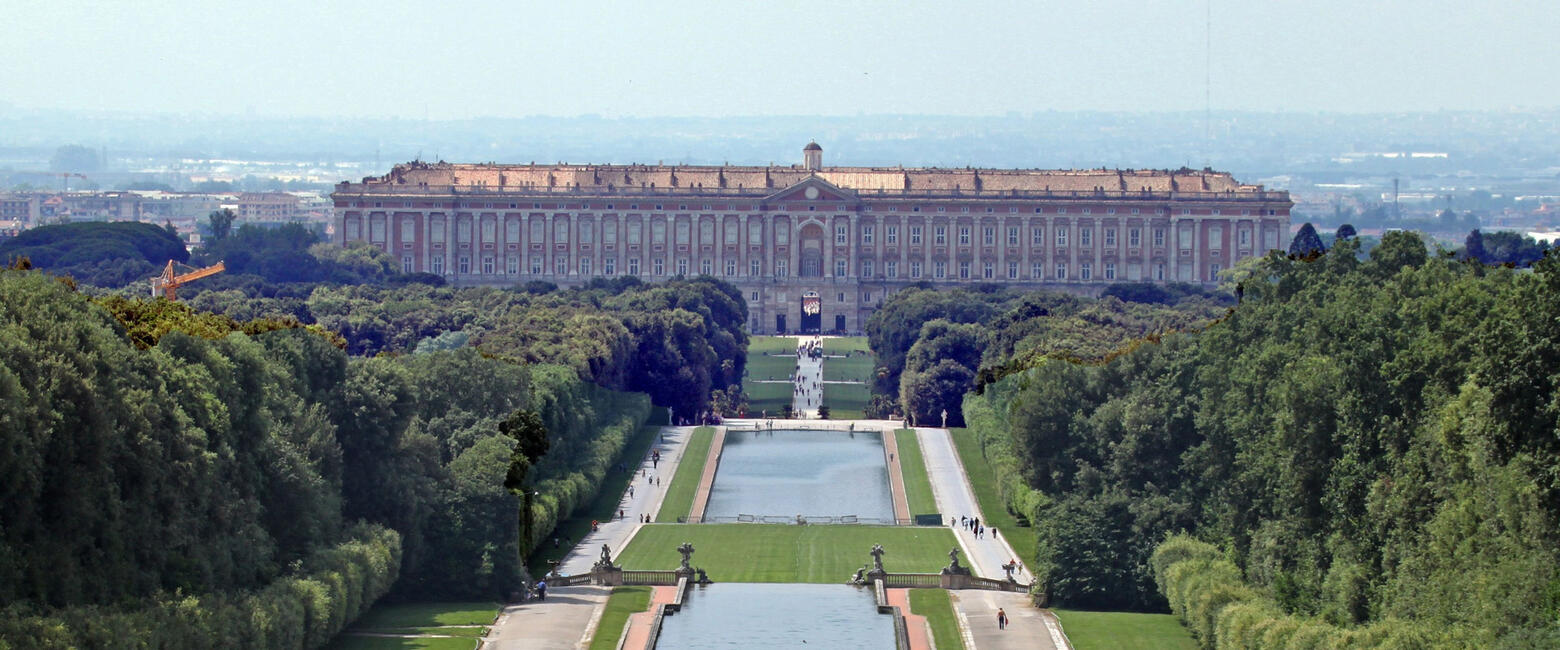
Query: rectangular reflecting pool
column 745, row 615
column 809, row 473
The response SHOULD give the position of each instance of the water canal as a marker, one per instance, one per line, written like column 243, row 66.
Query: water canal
column 745, row 615
column 810, row 473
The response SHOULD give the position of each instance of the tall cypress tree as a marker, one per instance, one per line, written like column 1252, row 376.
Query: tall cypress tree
column 1306, row 243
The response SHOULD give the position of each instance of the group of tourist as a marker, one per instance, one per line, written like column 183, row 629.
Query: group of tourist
column 809, row 390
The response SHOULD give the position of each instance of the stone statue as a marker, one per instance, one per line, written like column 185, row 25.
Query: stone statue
column 860, row 577
column 953, row 567
column 953, row 556
column 877, row 557
column 687, row 552
column 606, row 555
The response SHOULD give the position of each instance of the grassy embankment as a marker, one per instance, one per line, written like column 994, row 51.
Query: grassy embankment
column 1109, row 630
column 762, row 364
column 604, row 508
column 984, row 481
column 624, row 602
column 847, row 401
column 918, row 487
column 458, row 625
column 789, row 553
column 679, row 495
column 938, row 610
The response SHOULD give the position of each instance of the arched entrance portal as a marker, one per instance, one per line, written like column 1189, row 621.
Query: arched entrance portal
column 812, row 313
column 811, row 244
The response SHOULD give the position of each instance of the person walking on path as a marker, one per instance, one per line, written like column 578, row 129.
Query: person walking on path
column 1001, row 619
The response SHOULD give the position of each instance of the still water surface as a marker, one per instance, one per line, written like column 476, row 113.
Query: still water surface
column 813, row 473
column 746, row 615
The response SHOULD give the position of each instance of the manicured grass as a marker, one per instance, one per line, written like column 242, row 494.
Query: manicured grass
column 772, row 344
column 603, row 508
column 767, row 398
column 472, row 632
column 984, row 481
column 846, row 401
column 679, row 495
column 918, row 488
column 427, row 615
column 789, row 553
column 845, row 345
column 764, row 367
column 935, row 606
column 350, row 642
column 1102, row 630
column 857, row 368
column 624, row 602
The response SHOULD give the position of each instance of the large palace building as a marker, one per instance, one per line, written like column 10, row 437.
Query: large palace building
column 812, row 247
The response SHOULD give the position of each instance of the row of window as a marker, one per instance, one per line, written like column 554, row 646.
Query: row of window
column 658, row 267
column 841, row 207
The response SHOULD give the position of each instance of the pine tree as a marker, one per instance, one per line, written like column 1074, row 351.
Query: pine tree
column 1473, row 247
column 1346, row 231
column 1306, row 243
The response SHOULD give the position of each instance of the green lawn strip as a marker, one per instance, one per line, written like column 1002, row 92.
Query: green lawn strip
column 938, row 610
column 918, row 487
column 857, row 368
column 771, row 344
column 1101, row 630
column 679, row 495
column 415, row 615
column 476, row 631
column 603, row 508
column 845, row 345
column 770, row 398
column 353, row 642
column 846, row 401
column 767, row 368
column 624, row 602
column 984, row 481
column 789, row 553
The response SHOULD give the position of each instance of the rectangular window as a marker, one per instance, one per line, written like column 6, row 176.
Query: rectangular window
column 891, row 269
column 755, row 232
column 1086, row 236
column 707, row 232
column 636, row 233
column 463, row 266
column 1012, row 236
column 940, row 235
column 1061, row 236
column 915, row 235
column 561, row 265
column 866, row 234
column 536, row 265
column 1134, row 238
column 841, row 234
column 1213, row 272
column 964, row 236
column 487, row 265
column 707, row 267
column 561, row 230
column 682, row 267
column 538, row 230
column 754, row 268
column 839, row 268
column 633, row 266
column 1159, row 238
column 436, row 265
column 989, row 272
column 866, row 268
column 964, row 270
column 782, row 233
column 658, row 266
column 609, row 233
column 584, row 266
column 682, row 233
column 1012, row 270
column 512, row 265
column 730, row 232
column 1037, row 236
column 731, row 267
column 408, row 230
column 891, row 234
column 1110, row 270
column 1086, row 271
column 658, row 234
column 1215, row 238
column 782, row 268
column 988, row 236
column 488, row 231
column 1036, row 271
column 609, row 266
column 406, row 263
column 1245, row 237
column 939, row 269
column 376, row 230
column 587, row 232
column 1110, row 237
column 915, row 270
column 463, row 231
column 1159, row 272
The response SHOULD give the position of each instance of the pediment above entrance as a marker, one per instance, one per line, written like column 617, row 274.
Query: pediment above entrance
column 813, row 190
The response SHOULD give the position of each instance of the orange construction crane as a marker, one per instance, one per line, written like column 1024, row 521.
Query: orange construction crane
column 165, row 284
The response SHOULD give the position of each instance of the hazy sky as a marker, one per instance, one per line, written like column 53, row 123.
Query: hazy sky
column 465, row 59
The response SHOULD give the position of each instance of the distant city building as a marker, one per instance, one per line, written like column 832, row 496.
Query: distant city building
column 812, row 247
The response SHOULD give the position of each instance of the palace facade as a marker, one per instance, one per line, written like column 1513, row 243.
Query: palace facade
column 811, row 247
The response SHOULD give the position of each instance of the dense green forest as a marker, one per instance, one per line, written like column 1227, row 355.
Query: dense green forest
column 179, row 479
column 934, row 346
column 1366, row 450
column 101, row 254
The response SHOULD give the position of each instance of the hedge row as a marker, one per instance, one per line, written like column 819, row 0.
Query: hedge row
column 1209, row 595
column 617, row 416
column 330, row 590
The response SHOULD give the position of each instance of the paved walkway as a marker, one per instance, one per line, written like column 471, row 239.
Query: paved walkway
column 896, row 480
column 955, row 498
column 646, row 500
column 559, row 623
column 701, row 494
column 920, row 633
column 1029, row 628
column 638, row 635
column 810, row 377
